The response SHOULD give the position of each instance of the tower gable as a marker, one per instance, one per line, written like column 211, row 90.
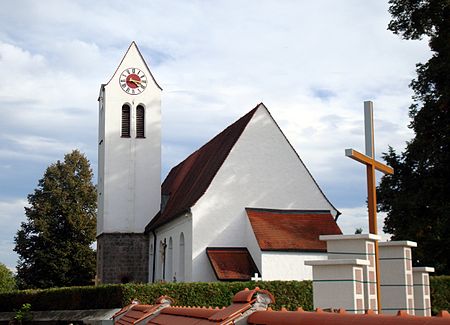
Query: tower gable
column 132, row 59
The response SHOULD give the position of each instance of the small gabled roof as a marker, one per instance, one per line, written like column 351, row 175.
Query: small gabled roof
column 232, row 263
column 292, row 230
column 189, row 180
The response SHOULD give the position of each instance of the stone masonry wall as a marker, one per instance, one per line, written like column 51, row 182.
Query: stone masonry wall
column 122, row 258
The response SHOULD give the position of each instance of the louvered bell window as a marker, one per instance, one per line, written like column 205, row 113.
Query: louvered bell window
column 140, row 122
column 125, row 121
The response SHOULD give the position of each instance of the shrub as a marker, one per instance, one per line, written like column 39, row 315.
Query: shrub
column 440, row 293
column 289, row 294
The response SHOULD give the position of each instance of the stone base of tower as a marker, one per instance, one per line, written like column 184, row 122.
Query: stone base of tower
column 122, row 258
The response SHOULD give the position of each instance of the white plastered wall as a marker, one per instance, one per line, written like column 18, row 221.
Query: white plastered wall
column 173, row 229
column 263, row 171
column 288, row 265
column 129, row 168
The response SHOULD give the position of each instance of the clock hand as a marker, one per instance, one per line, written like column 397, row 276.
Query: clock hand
column 136, row 82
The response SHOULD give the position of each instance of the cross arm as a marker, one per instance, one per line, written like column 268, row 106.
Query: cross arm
column 355, row 155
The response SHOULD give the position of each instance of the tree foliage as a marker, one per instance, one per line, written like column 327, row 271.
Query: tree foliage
column 417, row 197
column 7, row 281
column 54, row 242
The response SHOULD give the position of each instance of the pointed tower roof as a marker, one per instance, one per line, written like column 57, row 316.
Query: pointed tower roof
column 133, row 47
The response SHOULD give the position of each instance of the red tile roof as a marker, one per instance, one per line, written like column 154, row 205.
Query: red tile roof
column 268, row 317
column 291, row 230
column 189, row 180
column 232, row 263
column 243, row 301
column 137, row 313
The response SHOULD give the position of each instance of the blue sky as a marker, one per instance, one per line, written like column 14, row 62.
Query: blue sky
column 312, row 63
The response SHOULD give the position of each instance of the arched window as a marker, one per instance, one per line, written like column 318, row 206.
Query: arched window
column 180, row 275
column 140, row 121
column 125, row 121
column 169, row 261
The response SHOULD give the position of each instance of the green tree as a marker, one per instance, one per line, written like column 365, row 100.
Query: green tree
column 54, row 242
column 417, row 197
column 7, row 281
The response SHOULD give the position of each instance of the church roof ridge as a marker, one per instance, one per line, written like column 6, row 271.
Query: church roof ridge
column 189, row 180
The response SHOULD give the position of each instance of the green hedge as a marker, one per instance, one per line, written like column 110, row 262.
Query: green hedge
column 288, row 294
column 440, row 293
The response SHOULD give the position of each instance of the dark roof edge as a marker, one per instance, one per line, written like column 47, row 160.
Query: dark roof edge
column 200, row 148
column 251, row 113
column 233, row 248
column 149, row 227
column 301, row 161
column 293, row 250
column 290, row 211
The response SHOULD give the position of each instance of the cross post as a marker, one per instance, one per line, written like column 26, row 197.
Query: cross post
column 371, row 165
column 256, row 277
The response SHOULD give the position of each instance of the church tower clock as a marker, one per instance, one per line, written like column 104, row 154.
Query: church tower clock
column 129, row 169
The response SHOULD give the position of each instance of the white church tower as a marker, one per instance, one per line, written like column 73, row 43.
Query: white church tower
column 129, row 169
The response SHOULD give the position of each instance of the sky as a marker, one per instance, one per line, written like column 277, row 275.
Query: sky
column 312, row 63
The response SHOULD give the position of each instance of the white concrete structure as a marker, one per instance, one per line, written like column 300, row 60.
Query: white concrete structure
column 338, row 284
column 129, row 179
column 396, row 276
column 422, row 296
column 361, row 246
column 288, row 265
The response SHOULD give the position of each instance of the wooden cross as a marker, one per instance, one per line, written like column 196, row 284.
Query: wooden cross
column 371, row 165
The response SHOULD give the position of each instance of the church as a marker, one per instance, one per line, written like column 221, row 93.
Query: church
column 242, row 206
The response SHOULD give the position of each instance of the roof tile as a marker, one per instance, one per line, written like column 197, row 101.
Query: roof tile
column 291, row 230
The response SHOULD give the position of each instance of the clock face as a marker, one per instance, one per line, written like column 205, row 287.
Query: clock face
column 133, row 81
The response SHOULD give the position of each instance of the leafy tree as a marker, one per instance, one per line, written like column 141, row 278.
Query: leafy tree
column 54, row 242
column 7, row 281
column 417, row 197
